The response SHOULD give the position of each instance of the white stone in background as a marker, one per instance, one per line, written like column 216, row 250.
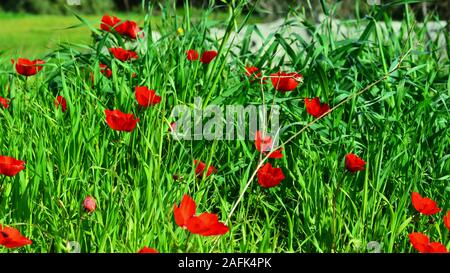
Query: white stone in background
column 342, row 30
column 73, row 2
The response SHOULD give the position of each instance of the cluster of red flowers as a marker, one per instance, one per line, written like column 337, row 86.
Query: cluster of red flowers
column 11, row 237
column 420, row 241
column 285, row 82
column 119, row 121
column 267, row 175
column 125, row 28
column 206, row 58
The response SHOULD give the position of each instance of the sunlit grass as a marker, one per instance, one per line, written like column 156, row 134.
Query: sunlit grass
column 400, row 127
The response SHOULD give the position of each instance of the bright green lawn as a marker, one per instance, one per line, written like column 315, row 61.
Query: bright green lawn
column 31, row 35
column 34, row 35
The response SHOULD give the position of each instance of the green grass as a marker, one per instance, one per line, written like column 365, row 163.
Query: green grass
column 400, row 127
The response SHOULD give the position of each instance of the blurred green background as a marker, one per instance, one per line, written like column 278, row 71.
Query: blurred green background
column 31, row 28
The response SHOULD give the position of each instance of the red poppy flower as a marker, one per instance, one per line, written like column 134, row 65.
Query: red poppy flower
column 122, row 54
column 131, row 29
column 120, row 121
column 200, row 169
column 127, row 28
column 422, row 244
column 4, row 102
column 265, row 145
column 270, row 177
column 61, row 101
column 109, row 22
column 184, row 212
column 436, row 247
column 424, row 205
column 447, row 220
column 148, row 250
column 89, row 203
column 206, row 224
column 419, row 241
column 353, row 163
column 27, row 68
column 105, row 70
column 315, row 108
column 251, row 71
column 285, row 82
column 146, row 97
column 10, row 166
column 192, row 55
column 11, row 238
column 208, row 56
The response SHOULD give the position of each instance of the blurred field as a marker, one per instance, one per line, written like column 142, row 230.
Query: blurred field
column 31, row 35
column 34, row 35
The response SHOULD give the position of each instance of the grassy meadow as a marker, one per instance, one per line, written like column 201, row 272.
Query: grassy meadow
column 391, row 90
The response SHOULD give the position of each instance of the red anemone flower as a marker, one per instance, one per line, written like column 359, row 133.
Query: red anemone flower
column 127, row 28
column 447, row 220
column 192, row 55
column 105, row 70
column 252, row 73
column 285, row 82
column 131, row 29
column 27, row 67
column 61, row 101
column 89, row 204
column 353, row 163
column 185, row 211
column 123, row 54
column 148, row 250
column 206, row 224
column 10, row 166
column 109, row 22
column 146, row 97
column 208, row 56
column 270, row 177
column 11, row 238
column 424, row 205
column 200, row 169
column 4, row 102
column 264, row 145
column 315, row 108
column 120, row 121
column 422, row 244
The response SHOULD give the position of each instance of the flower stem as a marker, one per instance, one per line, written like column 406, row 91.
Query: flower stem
column 187, row 242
